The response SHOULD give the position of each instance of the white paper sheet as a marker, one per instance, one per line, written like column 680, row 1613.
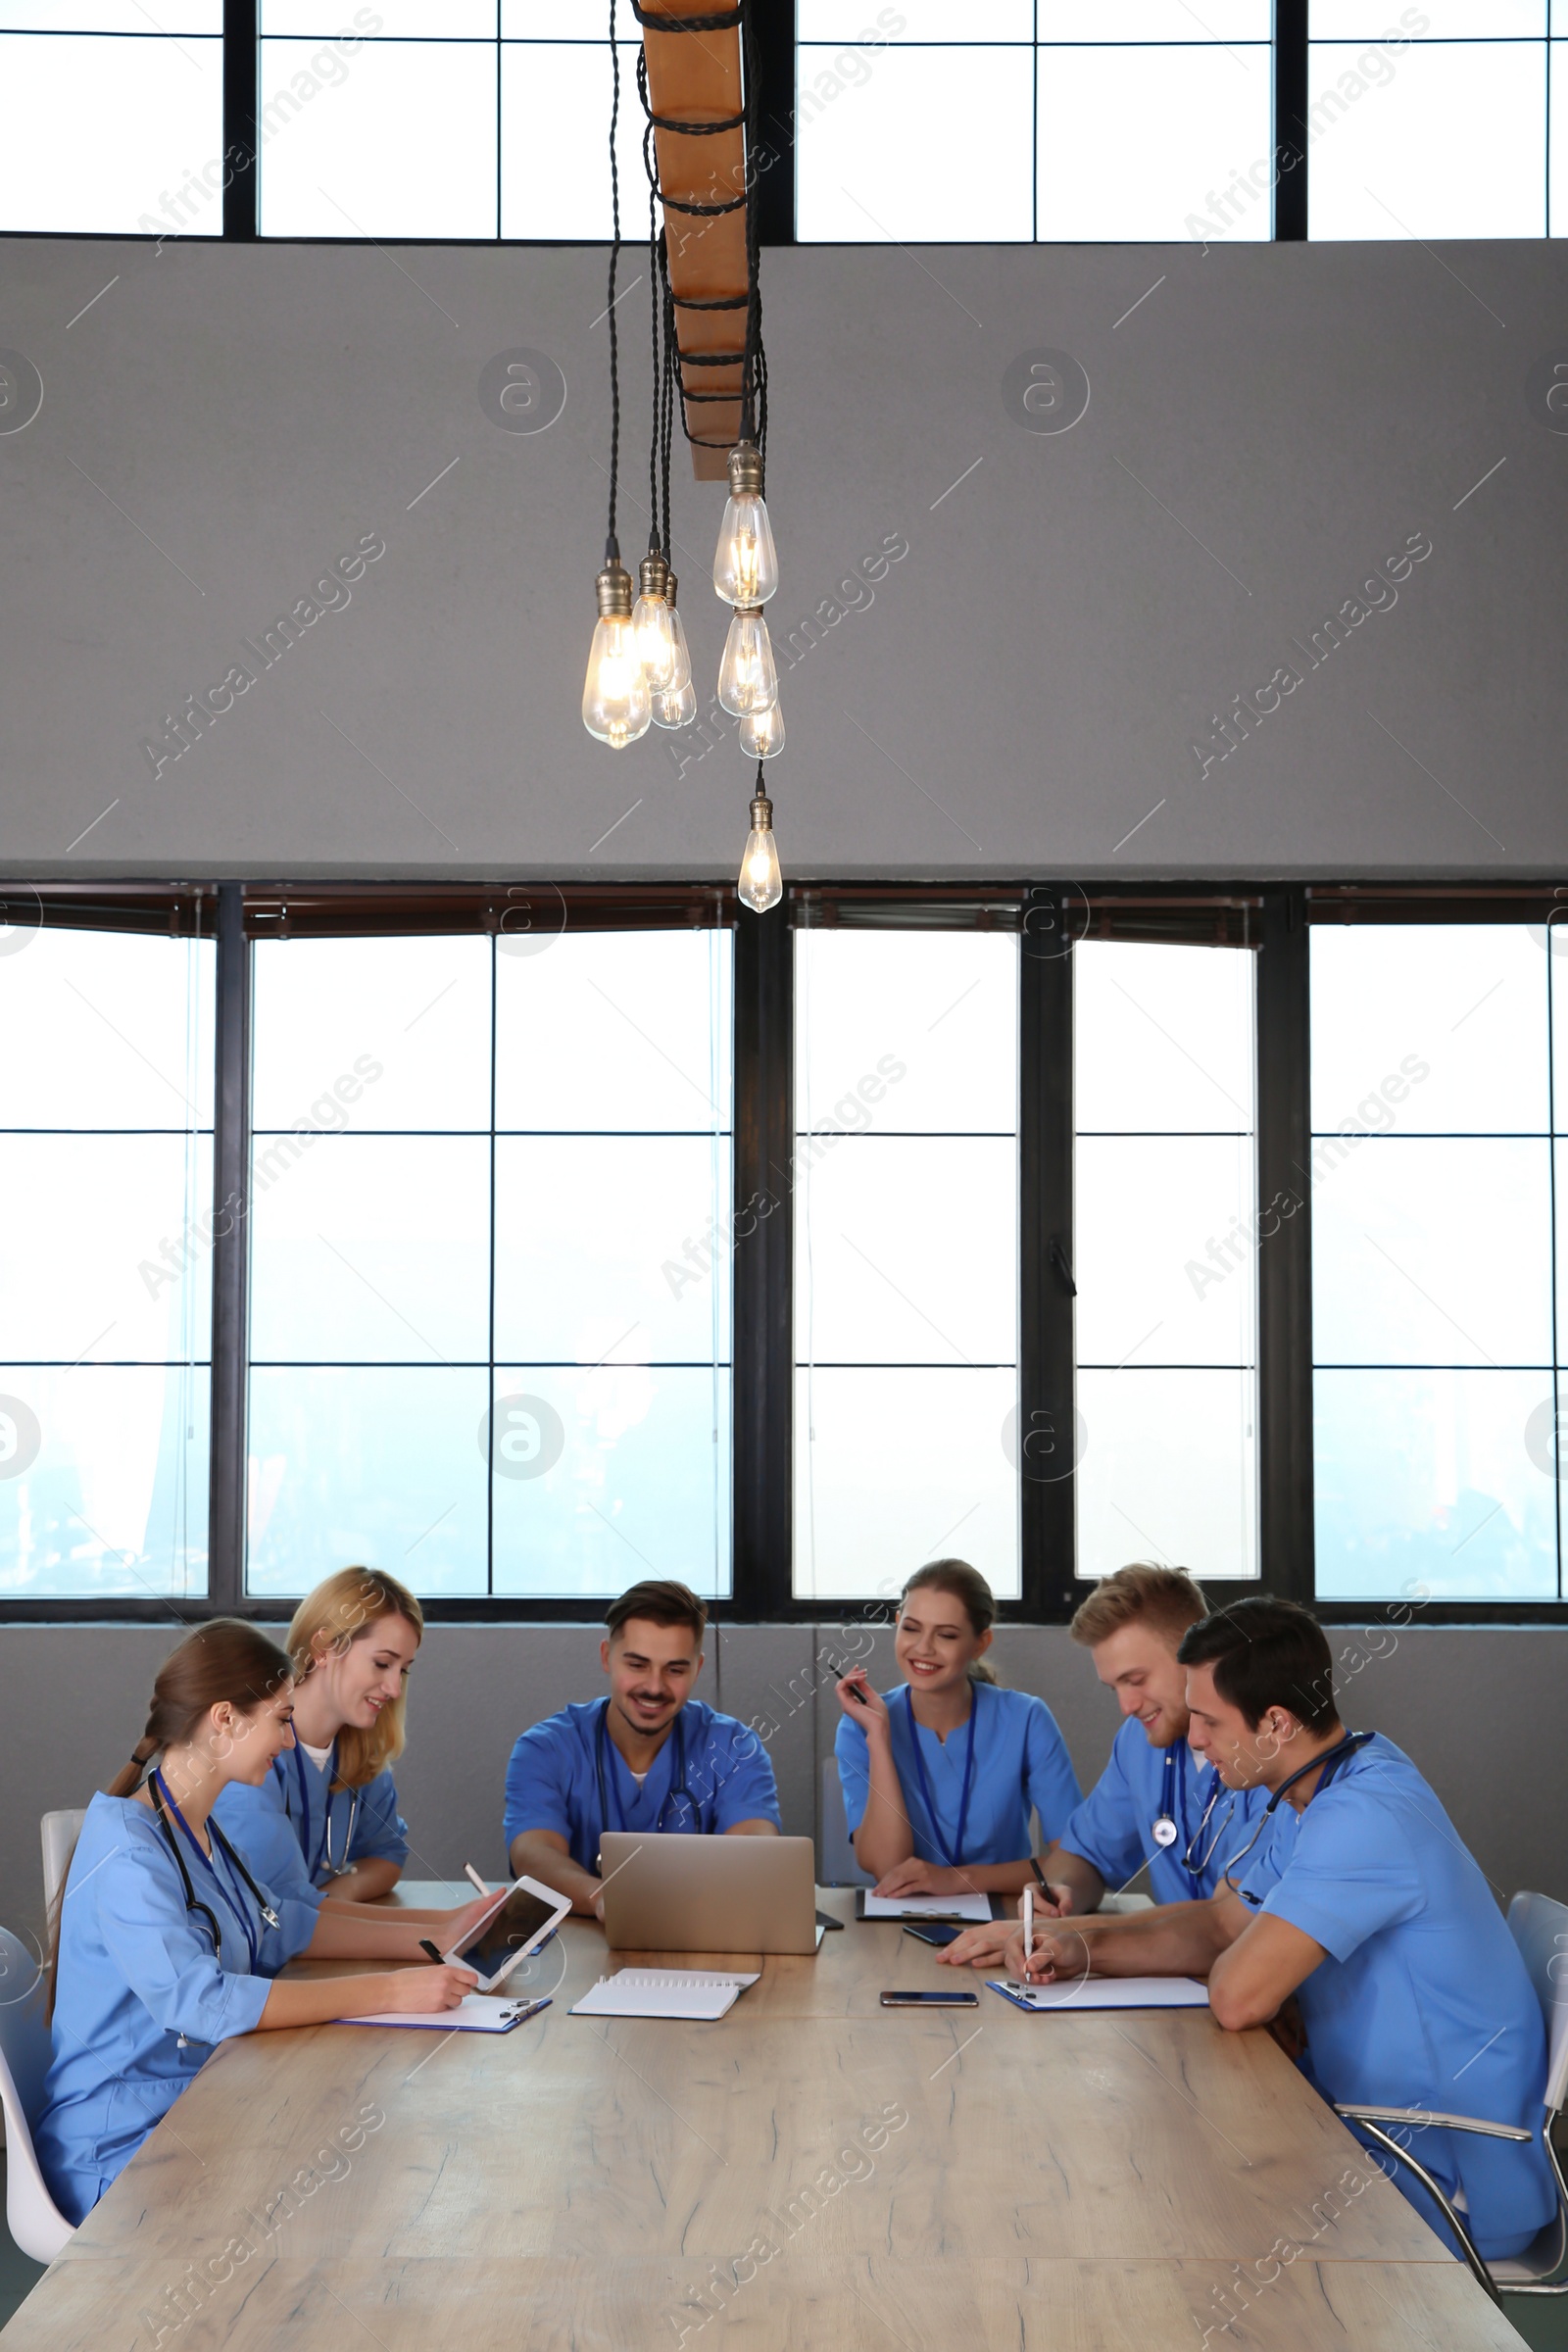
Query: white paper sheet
column 475, row 2013
column 930, row 1906
column 689, row 1992
column 1109, row 1993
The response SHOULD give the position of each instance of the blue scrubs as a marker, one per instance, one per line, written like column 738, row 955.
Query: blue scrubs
column 1113, row 1828
column 712, row 1772
column 297, row 1838
column 1423, row 2000
column 1020, row 1759
column 140, row 1999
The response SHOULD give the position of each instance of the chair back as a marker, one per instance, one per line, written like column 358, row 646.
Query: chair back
column 37, row 2224
column 837, row 1865
column 60, row 1832
column 1539, row 1927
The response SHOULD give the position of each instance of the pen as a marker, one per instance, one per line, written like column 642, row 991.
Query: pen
column 425, row 1945
column 474, row 1880
column 1028, row 1926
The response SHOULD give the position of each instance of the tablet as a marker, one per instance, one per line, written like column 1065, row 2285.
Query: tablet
column 516, row 1924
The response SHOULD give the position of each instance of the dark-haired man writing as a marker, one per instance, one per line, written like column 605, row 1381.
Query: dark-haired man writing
column 1411, row 1991
column 647, row 1757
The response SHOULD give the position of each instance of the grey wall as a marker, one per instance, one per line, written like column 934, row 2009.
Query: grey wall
column 1023, row 690
column 1481, row 1710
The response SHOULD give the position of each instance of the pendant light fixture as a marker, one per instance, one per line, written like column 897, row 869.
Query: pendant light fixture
column 761, row 884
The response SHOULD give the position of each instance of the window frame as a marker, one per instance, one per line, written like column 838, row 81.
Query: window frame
column 1272, row 919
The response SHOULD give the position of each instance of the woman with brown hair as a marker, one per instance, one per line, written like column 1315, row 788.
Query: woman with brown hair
column 939, row 1775
column 324, row 1820
column 166, row 1940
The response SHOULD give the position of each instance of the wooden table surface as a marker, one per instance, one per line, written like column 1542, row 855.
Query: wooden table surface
column 813, row 2171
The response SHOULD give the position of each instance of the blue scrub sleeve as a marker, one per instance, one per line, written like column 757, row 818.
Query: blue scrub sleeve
column 538, row 1778
column 260, row 1830
column 1352, row 1873
column 743, row 1787
column 854, row 1759
column 1105, row 1829
column 166, row 1954
column 1049, row 1781
column 380, row 1834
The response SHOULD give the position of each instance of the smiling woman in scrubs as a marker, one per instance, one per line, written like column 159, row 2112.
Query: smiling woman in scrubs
column 940, row 1775
column 326, row 1816
column 1410, row 1991
column 166, row 1942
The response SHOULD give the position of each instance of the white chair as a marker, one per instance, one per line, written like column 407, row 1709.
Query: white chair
column 60, row 1832
column 1539, row 1927
column 837, row 1865
column 36, row 2222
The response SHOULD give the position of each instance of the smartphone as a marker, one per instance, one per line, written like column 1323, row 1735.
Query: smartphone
column 934, row 1930
column 930, row 2001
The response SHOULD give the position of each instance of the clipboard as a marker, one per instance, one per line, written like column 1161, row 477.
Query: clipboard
column 926, row 1907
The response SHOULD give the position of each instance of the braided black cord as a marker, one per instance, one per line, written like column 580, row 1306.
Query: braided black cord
column 611, row 543
column 651, row 168
column 671, row 382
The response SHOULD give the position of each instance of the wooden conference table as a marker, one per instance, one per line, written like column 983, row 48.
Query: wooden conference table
column 811, row 2173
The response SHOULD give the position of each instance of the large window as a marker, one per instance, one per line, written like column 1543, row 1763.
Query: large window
column 489, row 1300
column 1432, row 1248
column 1167, row 1234
column 106, row 1247
column 527, row 1243
column 906, row 1192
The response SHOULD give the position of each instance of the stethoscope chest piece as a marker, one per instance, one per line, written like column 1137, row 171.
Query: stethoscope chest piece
column 1164, row 1830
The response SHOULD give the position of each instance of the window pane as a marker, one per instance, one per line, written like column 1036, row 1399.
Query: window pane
column 1447, row 139
column 94, row 130
column 103, row 1481
column 1178, row 122
column 845, row 22
column 394, row 19
column 397, row 141
column 372, row 1033
column 610, row 1250
column 894, row 1467
column 111, row 16
column 106, row 1031
column 1558, row 936
column 915, row 145
column 608, row 1474
column 1164, row 1039
column 370, row 1248
column 384, row 1466
column 1444, row 20
column 105, row 1247
column 1167, row 1471
column 905, row 1254
column 555, row 141
column 1153, row 21
column 1427, row 1486
column 1166, row 1236
column 611, row 1031
column 1436, row 1028
column 1433, row 1250
column 907, row 1032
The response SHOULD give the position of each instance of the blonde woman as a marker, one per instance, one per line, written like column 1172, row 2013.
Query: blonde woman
column 323, row 1821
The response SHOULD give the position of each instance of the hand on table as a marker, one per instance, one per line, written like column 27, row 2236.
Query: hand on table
column 915, row 1877
column 1052, row 1959
column 978, row 1947
column 427, row 1991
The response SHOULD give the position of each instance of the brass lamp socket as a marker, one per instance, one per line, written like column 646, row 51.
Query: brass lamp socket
column 745, row 470
column 653, row 576
column 613, row 586
column 762, row 815
column 671, row 586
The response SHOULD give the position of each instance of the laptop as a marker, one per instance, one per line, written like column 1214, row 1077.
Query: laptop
column 682, row 1893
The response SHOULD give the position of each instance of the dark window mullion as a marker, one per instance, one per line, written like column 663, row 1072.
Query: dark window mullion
column 1285, row 1249
column 230, row 1254
column 241, row 185
column 1290, row 120
column 762, row 1345
column 1046, row 1405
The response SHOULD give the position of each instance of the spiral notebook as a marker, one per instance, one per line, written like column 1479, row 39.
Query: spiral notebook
column 694, row 1992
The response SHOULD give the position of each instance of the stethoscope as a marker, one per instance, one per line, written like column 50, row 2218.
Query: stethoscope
column 1332, row 1761
column 312, row 1863
column 952, row 1855
column 162, row 1796
column 676, row 1793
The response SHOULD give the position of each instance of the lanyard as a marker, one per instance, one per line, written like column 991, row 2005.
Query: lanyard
column 952, row 1855
column 676, row 1792
column 314, row 1861
column 1173, row 1793
column 225, row 1887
